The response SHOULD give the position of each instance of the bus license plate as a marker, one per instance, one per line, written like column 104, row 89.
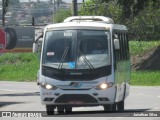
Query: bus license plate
column 75, row 102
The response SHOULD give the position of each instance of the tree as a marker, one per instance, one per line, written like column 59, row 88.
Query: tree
column 61, row 15
column 96, row 7
column 140, row 16
column 146, row 25
column 130, row 8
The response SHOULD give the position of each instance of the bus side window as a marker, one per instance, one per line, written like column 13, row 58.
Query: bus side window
column 123, row 47
column 120, row 51
column 127, row 46
column 117, row 52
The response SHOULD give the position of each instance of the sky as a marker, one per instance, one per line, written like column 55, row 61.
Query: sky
column 68, row 1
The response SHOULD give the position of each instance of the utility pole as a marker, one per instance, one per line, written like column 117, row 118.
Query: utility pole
column 54, row 14
column 54, row 5
column 74, row 8
column 3, row 12
column 58, row 5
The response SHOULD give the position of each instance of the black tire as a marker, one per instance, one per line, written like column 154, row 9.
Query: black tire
column 60, row 109
column 110, row 108
column 120, row 106
column 11, row 38
column 68, row 110
column 50, row 109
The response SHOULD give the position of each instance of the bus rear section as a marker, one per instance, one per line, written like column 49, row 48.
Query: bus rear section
column 78, row 66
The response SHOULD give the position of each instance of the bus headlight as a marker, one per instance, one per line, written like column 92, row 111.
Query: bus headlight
column 48, row 87
column 104, row 86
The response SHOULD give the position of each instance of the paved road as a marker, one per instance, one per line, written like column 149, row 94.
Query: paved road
column 24, row 96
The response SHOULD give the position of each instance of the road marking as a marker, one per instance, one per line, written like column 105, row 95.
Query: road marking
column 6, row 90
column 156, row 108
column 17, row 91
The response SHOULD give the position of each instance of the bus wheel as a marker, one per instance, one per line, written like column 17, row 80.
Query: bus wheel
column 68, row 109
column 120, row 106
column 60, row 109
column 110, row 108
column 50, row 109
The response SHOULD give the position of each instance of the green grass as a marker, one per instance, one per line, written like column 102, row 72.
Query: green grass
column 137, row 47
column 145, row 78
column 18, row 66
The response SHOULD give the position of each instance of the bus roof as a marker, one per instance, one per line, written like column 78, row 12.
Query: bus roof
column 90, row 18
column 86, row 24
column 87, row 21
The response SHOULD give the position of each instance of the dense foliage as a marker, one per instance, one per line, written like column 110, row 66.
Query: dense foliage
column 140, row 16
column 146, row 25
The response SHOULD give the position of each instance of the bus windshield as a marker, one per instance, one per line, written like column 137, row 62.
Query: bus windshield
column 76, row 49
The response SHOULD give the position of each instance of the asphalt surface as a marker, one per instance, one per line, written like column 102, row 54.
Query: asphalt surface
column 24, row 97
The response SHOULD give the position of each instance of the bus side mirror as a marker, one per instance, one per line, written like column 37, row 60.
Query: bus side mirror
column 35, row 48
column 116, row 44
column 35, row 44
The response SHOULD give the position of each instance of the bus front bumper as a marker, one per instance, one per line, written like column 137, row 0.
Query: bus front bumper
column 78, row 97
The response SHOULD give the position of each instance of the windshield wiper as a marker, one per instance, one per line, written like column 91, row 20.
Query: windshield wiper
column 46, row 66
column 51, row 65
column 86, row 60
column 64, row 56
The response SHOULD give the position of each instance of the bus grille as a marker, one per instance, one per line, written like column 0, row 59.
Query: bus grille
column 76, row 97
